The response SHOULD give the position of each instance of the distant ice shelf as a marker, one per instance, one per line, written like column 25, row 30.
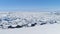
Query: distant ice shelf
column 27, row 19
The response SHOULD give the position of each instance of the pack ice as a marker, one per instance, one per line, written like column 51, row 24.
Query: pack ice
column 27, row 19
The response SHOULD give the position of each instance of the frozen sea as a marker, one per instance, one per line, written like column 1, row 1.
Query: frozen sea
column 47, row 22
column 44, row 29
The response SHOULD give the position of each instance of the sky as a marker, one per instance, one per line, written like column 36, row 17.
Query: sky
column 29, row 5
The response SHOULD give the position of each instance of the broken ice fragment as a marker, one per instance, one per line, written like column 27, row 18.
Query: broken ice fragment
column 33, row 24
column 42, row 23
column 18, row 26
column 10, row 27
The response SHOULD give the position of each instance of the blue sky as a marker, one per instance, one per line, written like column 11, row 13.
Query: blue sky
column 29, row 5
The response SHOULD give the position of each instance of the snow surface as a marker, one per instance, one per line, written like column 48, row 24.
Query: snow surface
column 44, row 29
column 45, row 22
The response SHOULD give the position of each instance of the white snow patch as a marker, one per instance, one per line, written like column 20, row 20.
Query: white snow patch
column 44, row 29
